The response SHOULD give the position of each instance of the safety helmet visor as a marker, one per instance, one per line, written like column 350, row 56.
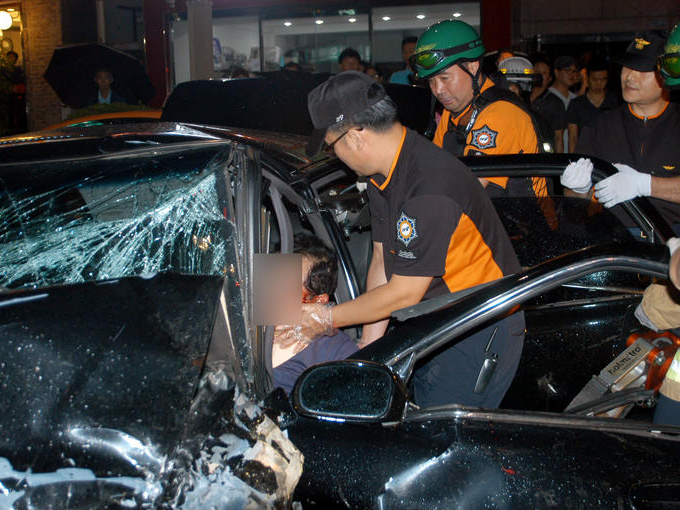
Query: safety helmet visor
column 431, row 58
column 669, row 65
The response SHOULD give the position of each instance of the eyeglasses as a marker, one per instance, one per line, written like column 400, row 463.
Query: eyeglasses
column 429, row 58
column 328, row 147
column 669, row 65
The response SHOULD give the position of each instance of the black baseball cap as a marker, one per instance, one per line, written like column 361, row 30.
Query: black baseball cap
column 337, row 99
column 642, row 52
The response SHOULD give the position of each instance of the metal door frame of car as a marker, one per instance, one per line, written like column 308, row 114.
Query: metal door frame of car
column 460, row 315
column 640, row 209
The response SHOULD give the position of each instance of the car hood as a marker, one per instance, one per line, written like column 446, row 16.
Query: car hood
column 112, row 386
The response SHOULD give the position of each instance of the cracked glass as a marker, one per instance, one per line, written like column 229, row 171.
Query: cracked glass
column 94, row 220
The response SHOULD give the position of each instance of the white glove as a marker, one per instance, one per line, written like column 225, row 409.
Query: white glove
column 626, row 184
column 673, row 244
column 577, row 176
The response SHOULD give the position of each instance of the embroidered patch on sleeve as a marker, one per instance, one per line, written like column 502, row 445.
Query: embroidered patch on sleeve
column 484, row 138
column 406, row 229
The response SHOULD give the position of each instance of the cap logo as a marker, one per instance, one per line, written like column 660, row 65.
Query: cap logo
column 339, row 117
column 640, row 43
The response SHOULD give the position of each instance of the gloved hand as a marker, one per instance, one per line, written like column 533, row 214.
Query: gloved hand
column 577, row 176
column 673, row 244
column 317, row 320
column 626, row 184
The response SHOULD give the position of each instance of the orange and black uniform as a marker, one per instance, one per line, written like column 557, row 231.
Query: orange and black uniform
column 500, row 127
column 434, row 219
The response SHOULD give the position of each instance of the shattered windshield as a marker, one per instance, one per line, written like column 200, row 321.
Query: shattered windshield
column 101, row 218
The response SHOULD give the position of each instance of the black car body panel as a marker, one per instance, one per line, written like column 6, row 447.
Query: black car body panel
column 518, row 456
column 133, row 367
column 150, row 364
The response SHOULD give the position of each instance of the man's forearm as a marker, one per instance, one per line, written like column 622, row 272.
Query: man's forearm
column 666, row 188
column 379, row 303
column 559, row 141
column 572, row 129
column 674, row 269
column 375, row 278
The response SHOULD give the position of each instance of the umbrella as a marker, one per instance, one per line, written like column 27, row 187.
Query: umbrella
column 72, row 68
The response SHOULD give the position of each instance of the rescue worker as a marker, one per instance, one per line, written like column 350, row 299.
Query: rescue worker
column 641, row 136
column 668, row 407
column 479, row 118
column 434, row 231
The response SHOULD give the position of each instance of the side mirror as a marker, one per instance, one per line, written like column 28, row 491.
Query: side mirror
column 352, row 391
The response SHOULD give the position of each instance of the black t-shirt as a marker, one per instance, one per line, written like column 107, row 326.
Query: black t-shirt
column 552, row 108
column 649, row 145
column 433, row 218
column 582, row 112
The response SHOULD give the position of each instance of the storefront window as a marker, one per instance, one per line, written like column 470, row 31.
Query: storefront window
column 315, row 42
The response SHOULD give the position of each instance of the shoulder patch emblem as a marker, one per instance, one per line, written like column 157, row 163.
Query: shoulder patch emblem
column 484, row 138
column 406, row 229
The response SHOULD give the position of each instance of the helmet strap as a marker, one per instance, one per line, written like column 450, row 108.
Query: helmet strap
column 476, row 90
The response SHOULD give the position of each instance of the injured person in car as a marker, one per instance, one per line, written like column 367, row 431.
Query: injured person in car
column 319, row 279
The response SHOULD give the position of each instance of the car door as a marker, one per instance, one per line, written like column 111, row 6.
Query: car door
column 455, row 457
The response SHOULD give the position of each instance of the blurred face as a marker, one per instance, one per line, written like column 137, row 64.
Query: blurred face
column 306, row 266
column 567, row 76
column 640, row 88
column 407, row 50
column 350, row 64
column 544, row 70
column 373, row 73
column 597, row 81
column 103, row 79
column 453, row 86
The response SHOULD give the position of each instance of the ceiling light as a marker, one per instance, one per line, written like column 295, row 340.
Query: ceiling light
column 420, row 16
column 5, row 20
column 319, row 22
column 352, row 20
column 287, row 23
column 457, row 15
column 10, row 10
column 386, row 18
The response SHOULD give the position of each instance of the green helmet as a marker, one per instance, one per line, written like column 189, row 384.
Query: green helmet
column 444, row 44
column 669, row 62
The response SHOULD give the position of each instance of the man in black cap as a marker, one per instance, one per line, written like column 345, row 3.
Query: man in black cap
column 640, row 137
column 554, row 102
column 434, row 231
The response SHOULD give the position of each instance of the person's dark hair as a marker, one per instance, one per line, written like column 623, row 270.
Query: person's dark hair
column 379, row 117
column 16, row 55
column 597, row 63
column 410, row 39
column 323, row 275
column 373, row 66
column 236, row 72
column 292, row 66
column 349, row 53
column 102, row 70
column 540, row 56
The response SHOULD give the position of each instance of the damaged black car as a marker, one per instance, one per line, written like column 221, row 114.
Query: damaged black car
column 133, row 374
